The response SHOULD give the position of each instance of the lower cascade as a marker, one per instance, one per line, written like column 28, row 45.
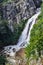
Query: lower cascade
column 24, row 38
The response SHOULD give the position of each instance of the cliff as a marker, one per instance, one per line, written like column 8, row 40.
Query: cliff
column 17, row 10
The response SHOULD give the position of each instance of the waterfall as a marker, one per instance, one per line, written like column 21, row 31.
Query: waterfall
column 24, row 38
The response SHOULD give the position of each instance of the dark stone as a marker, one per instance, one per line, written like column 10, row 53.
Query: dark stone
column 37, row 3
column 14, row 49
column 16, row 1
column 10, row 47
column 1, row 1
column 3, row 63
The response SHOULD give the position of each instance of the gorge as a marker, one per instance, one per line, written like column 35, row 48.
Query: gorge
column 24, row 38
column 12, row 13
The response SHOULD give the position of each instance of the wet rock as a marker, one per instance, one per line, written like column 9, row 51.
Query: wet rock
column 14, row 50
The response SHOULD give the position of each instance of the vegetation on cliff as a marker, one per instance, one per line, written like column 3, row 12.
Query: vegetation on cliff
column 36, row 38
column 2, row 60
column 7, row 37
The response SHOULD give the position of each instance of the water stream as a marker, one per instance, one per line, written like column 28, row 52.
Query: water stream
column 24, row 38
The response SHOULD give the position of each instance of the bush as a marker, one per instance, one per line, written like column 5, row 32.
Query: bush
column 2, row 60
column 7, row 37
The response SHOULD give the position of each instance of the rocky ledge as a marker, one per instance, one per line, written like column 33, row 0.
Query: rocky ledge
column 20, row 59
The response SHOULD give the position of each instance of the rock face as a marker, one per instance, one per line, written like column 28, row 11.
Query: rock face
column 19, row 58
column 19, row 9
column 20, row 53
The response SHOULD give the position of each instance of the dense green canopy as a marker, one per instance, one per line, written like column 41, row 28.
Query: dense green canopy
column 2, row 60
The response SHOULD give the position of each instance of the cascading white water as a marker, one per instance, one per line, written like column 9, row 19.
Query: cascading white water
column 24, row 38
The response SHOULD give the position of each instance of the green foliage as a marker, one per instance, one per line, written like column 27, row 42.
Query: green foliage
column 7, row 37
column 36, row 38
column 42, row 9
column 2, row 60
column 3, row 1
column 18, row 28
